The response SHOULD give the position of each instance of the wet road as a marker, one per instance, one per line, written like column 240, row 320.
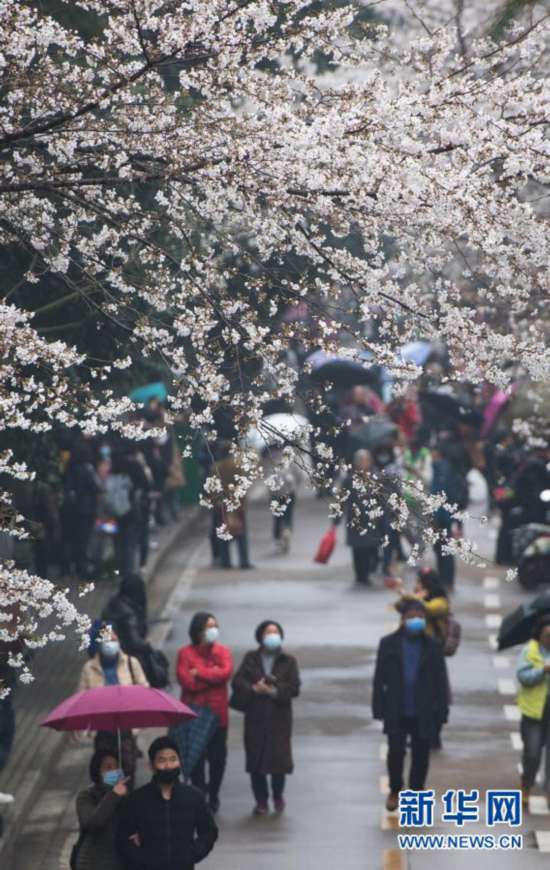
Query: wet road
column 335, row 818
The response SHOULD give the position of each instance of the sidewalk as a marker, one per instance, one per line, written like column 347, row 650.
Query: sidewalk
column 56, row 669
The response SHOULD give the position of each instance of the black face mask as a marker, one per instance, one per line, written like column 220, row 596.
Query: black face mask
column 167, row 776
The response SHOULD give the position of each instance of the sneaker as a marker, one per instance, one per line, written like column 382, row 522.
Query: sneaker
column 392, row 801
column 260, row 809
column 6, row 798
column 279, row 805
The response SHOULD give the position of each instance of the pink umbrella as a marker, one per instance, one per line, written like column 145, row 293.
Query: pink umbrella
column 116, row 708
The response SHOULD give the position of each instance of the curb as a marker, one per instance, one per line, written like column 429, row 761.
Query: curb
column 54, row 742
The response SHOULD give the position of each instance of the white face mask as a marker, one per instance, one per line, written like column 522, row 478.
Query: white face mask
column 110, row 649
column 211, row 634
column 272, row 642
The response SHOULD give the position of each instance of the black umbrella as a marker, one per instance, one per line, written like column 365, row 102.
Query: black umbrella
column 518, row 626
column 445, row 406
column 343, row 373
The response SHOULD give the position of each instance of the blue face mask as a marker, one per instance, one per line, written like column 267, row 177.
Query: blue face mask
column 111, row 777
column 415, row 625
column 272, row 642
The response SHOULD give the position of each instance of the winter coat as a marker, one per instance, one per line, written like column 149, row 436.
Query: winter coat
column 431, row 685
column 92, row 674
column 268, row 720
column 532, row 696
column 214, row 664
column 357, row 520
column 174, row 834
column 81, row 488
column 96, row 809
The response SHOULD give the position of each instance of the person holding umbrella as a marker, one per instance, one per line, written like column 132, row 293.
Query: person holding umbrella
column 263, row 688
column 533, row 674
column 109, row 666
column 96, row 808
column 165, row 823
column 204, row 669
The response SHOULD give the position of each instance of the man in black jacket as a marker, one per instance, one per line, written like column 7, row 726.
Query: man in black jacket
column 165, row 825
column 410, row 696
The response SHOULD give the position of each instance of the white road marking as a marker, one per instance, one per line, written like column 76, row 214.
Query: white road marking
column 491, row 582
column 383, row 751
column 538, row 805
column 492, row 601
column 512, row 713
column 493, row 620
column 543, row 840
column 517, row 742
column 384, row 784
column 502, row 662
column 493, row 642
column 507, row 687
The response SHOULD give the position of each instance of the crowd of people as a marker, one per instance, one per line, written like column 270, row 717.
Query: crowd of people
column 166, row 819
column 91, row 511
column 115, row 491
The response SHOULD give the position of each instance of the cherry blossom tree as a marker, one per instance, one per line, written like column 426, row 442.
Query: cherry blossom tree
column 163, row 164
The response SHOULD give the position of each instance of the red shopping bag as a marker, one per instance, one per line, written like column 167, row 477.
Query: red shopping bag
column 326, row 546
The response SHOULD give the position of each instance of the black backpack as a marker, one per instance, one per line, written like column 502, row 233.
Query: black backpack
column 156, row 667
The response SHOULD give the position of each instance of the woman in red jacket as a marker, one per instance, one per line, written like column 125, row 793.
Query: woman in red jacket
column 204, row 670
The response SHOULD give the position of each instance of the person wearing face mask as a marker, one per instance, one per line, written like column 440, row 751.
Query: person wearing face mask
column 204, row 669
column 410, row 696
column 263, row 688
column 96, row 808
column 109, row 666
column 165, row 825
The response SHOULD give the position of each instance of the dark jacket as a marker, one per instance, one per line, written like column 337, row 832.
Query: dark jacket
column 358, row 520
column 174, row 834
column 81, row 489
column 431, row 686
column 128, row 623
column 96, row 808
column 268, row 721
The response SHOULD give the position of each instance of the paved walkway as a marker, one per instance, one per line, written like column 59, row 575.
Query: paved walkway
column 56, row 670
column 335, row 818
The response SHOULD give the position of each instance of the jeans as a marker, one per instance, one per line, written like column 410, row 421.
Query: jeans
column 420, row 755
column 261, row 790
column 7, row 729
column 216, row 756
column 535, row 734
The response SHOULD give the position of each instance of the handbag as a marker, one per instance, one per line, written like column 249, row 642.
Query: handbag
column 326, row 546
column 239, row 702
column 452, row 637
